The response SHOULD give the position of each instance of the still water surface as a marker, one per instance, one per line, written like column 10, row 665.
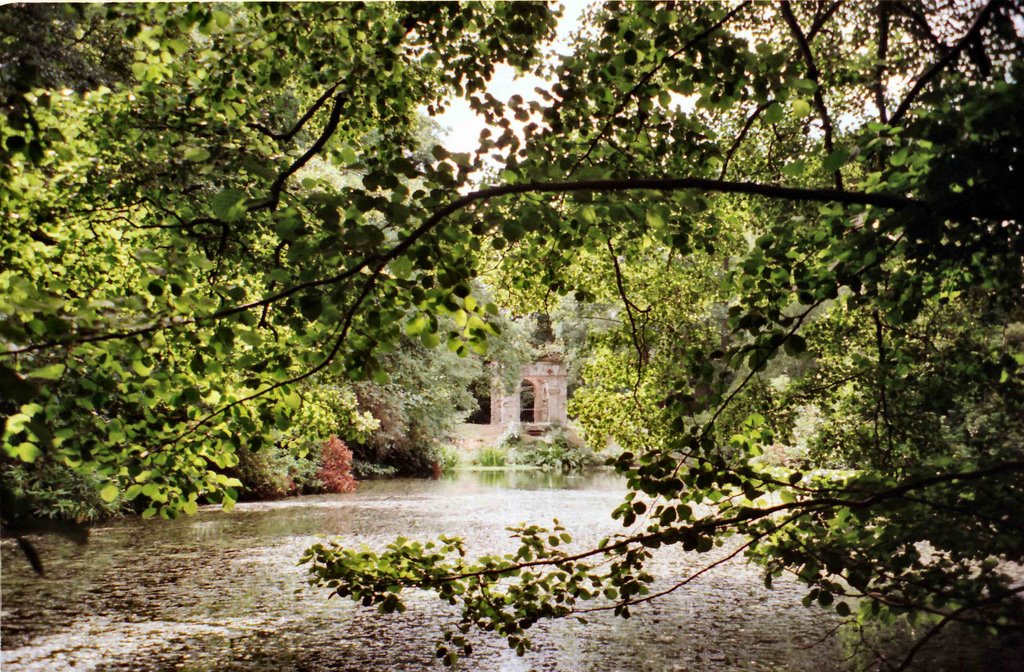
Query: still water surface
column 223, row 591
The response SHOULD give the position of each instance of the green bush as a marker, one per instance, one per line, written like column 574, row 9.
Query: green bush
column 556, row 451
column 275, row 472
column 491, row 456
column 447, row 458
column 52, row 490
column 417, row 409
column 511, row 439
column 366, row 470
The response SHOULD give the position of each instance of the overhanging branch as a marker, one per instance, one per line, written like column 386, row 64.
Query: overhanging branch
column 667, row 184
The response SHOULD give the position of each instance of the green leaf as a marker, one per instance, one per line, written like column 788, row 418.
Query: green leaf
column 774, row 113
column 109, row 493
column 348, row 155
column 801, row 108
column 416, row 325
column 795, row 345
column 229, row 205
column 836, row 159
column 654, row 220
column 793, row 168
column 27, row 452
column 177, row 47
column 401, row 268
column 49, row 372
column 805, row 85
column 197, row 154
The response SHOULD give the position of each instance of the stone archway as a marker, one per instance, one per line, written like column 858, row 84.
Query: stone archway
column 549, row 380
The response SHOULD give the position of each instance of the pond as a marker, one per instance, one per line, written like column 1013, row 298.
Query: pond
column 223, row 591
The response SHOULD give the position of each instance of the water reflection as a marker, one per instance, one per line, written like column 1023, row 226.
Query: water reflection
column 535, row 479
column 222, row 591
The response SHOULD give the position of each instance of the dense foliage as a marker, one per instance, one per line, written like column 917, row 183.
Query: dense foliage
column 798, row 226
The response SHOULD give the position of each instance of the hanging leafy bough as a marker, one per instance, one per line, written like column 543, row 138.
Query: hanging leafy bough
column 181, row 278
column 239, row 237
column 893, row 289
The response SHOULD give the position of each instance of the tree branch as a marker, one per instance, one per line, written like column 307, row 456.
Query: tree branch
column 883, row 401
column 980, row 19
column 647, row 78
column 744, row 515
column 879, row 200
column 635, row 333
column 946, row 619
column 288, row 135
column 820, row 22
column 278, row 186
column 918, row 21
column 739, row 138
column 694, row 576
column 880, row 55
column 814, row 76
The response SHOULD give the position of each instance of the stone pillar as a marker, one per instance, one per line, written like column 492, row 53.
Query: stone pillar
column 542, row 400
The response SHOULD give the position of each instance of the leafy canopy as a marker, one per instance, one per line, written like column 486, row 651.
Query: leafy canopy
column 802, row 222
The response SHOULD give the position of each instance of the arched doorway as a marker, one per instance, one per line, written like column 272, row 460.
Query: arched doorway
column 527, row 402
column 540, row 397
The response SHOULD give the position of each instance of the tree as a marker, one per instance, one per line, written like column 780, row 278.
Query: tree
column 823, row 193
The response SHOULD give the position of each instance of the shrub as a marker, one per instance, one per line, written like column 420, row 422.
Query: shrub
column 491, row 456
column 447, row 458
column 417, row 410
column 53, row 490
column 263, row 473
column 556, row 451
column 511, row 438
column 363, row 469
column 335, row 473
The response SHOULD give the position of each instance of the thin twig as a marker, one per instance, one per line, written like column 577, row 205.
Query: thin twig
column 814, row 76
column 647, row 78
column 880, row 56
column 820, row 22
column 932, row 72
column 637, row 337
column 739, row 138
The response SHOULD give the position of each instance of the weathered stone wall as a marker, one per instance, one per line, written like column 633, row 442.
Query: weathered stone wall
column 549, row 379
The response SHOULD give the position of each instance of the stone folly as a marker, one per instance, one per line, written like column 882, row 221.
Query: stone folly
column 540, row 399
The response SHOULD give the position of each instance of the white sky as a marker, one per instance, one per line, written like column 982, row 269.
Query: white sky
column 463, row 125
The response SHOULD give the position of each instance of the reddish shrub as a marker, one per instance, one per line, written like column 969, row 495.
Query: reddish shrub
column 336, row 467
